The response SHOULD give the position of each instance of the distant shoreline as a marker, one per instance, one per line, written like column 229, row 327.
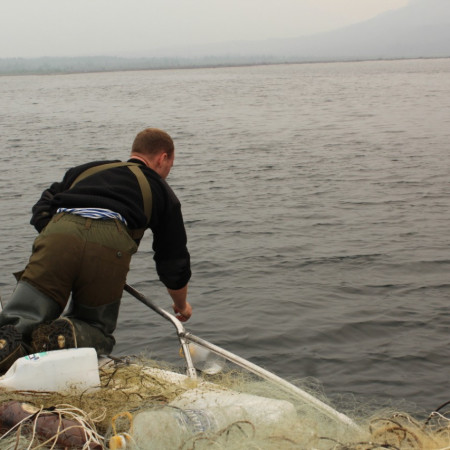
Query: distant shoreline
column 101, row 64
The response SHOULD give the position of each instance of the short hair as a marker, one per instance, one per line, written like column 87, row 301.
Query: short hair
column 152, row 141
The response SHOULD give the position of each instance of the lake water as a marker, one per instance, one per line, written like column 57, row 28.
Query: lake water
column 317, row 204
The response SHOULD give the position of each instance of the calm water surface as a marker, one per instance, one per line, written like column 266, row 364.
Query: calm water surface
column 316, row 199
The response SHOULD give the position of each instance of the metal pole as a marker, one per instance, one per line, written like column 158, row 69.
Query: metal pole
column 185, row 336
column 181, row 332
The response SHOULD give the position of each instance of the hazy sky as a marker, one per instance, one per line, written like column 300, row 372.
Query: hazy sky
column 32, row 28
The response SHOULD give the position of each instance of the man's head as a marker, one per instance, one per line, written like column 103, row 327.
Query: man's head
column 155, row 147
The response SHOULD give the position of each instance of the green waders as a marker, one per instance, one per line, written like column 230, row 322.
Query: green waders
column 27, row 308
column 72, row 255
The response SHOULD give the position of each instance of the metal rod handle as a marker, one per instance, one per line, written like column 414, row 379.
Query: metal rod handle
column 185, row 336
column 181, row 332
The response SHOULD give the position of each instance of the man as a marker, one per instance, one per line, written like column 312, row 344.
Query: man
column 89, row 226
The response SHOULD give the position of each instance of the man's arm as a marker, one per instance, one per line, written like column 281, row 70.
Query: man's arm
column 42, row 210
column 181, row 306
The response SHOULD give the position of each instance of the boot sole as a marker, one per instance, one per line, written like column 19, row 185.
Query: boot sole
column 56, row 335
column 10, row 347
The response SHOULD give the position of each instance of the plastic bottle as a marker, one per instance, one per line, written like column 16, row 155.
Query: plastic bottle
column 261, row 411
column 207, row 412
column 168, row 427
column 56, row 370
column 205, row 360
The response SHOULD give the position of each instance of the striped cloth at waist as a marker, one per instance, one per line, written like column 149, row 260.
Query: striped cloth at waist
column 94, row 213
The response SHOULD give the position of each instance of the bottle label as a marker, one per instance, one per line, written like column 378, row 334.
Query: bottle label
column 35, row 356
column 196, row 421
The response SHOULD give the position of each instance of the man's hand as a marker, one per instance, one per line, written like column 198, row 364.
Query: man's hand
column 181, row 306
column 183, row 314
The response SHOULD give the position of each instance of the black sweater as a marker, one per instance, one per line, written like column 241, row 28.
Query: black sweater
column 117, row 189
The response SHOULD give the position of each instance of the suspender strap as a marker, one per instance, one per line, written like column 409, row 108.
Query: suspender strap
column 145, row 189
column 95, row 169
column 146, row 197
column 143, row 184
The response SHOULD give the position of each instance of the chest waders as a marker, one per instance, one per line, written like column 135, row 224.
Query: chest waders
column 27, row 323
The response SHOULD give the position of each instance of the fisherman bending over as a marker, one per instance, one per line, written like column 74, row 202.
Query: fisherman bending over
column 90, row 224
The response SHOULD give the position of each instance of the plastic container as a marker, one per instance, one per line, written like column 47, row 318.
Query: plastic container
column 261, row 411
column 207, row 412
column 205, row 360
column 56, row 370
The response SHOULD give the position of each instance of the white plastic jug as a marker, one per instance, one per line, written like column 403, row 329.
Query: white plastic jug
column 56, row 370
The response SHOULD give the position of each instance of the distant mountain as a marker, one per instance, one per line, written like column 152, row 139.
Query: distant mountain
column 420, row 29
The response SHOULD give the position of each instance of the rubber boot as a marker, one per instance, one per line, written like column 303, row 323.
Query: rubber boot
column 82, row 327
column 94, row 325
column 27, row 308
column 11, row 347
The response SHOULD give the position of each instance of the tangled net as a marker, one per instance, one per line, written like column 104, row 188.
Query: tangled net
column 129, row 386
column 125, row 384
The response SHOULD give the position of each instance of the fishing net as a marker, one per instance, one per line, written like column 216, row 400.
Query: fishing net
column 134, row 384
